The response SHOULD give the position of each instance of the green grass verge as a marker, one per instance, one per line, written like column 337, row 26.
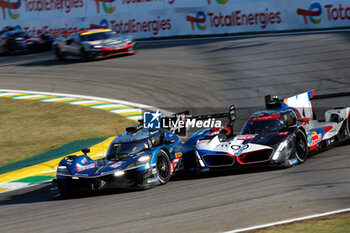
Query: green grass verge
column 29, row 128
column 339, row 223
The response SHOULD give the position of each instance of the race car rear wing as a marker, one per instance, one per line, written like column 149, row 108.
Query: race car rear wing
column 301, row 102
column 65, row 33
column 231, row 115
column 92, row 26
column 332, row 95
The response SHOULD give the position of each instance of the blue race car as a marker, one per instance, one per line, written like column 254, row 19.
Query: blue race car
column 139, row 158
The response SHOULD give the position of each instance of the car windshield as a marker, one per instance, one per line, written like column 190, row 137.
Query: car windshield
column 98, row 36
column 262, row 124
column 118, row 151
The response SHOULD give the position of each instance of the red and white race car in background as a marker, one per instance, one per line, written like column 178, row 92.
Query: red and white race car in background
column 91, row 44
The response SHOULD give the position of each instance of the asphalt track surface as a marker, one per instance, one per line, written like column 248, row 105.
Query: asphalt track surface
column 204, row 74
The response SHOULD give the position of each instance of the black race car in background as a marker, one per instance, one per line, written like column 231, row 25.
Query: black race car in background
column 13, row 41
column 41, row 43
column 17, row 41
column 91, row 44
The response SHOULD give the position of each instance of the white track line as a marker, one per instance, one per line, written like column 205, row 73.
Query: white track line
column 119, row 111
column 55, row 99
column 27, row 96
column 289, row 221
column 83, row 102
column 107, row 106
column 142, row 106
column 9, row 93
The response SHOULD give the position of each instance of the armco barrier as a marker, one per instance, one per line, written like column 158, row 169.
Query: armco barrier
column 163, row 18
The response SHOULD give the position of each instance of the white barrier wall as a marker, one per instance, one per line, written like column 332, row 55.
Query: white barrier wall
column 159, row 18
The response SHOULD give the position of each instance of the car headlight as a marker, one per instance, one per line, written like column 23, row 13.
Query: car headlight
column 143, row 160
column 97, row 46
column 63, row 170
column 119, row 173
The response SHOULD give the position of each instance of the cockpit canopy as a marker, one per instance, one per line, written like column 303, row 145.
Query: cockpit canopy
column 119, row 151
column 133, row 142
column 269, row 121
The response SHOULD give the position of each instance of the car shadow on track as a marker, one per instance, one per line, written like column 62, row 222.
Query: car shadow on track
column 47, row 192
column 29, row 195
column 221, row 173
column 50, row 62
column 55, row 62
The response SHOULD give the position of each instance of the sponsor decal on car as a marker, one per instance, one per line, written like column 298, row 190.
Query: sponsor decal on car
column 265, row 118
column 84, row 160
column 83, row 168
column 235, row 147
column 116, row 165
column 246, row 137
column 176, row 165
column 153, row 180
column 315, row 140
column 293, row 161
column 203, row 141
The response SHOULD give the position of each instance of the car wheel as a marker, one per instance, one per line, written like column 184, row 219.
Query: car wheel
column 58, row 54
column 301, row 149
column 12, row 47
column 62, row 188
column 348, row 128
column 83, row 55
column 163, row 167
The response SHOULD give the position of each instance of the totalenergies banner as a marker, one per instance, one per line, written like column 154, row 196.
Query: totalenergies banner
column 161, row 18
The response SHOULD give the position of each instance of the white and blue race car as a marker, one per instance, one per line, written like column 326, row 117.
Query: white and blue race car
column 284, row 134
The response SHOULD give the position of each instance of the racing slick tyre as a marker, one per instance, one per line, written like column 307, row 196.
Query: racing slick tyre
column 12, row 47
column 301, row 149
column 83, row 55
column 348, row 128
column 62, row 188
column 58, row 54
column 163, row 167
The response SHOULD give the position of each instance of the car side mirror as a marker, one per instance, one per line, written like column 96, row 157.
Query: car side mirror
column 170, row 141
column 85, row 151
